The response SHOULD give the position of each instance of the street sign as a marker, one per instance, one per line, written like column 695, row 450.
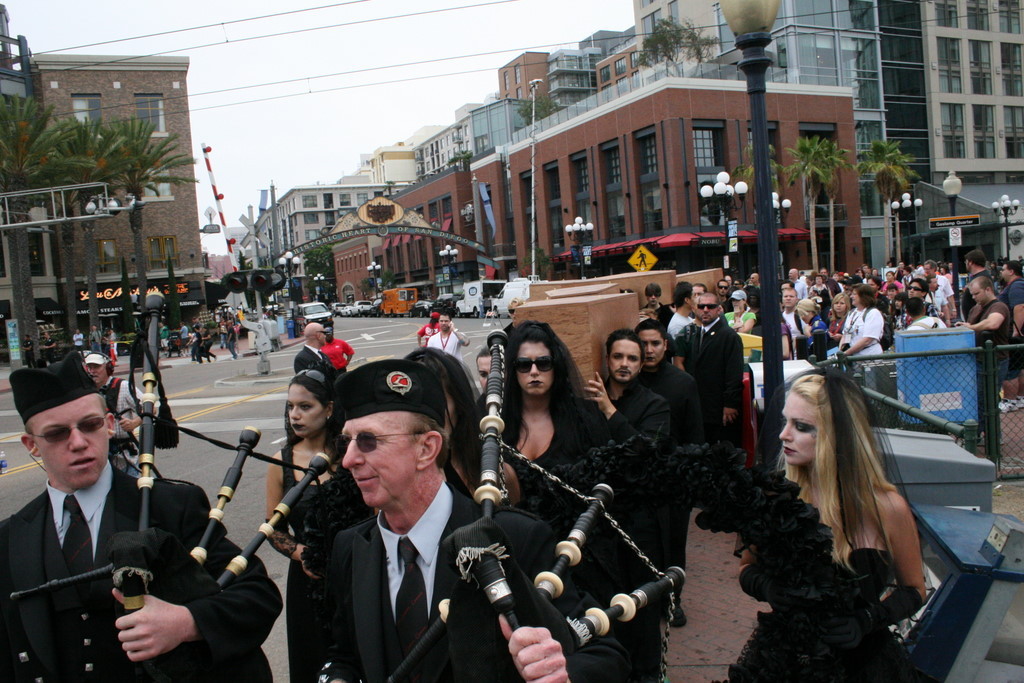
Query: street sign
column 955, row 237
column 943, row 223
column 211, row 229
column 642, row 259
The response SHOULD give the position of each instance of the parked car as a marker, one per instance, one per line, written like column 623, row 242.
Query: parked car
column 422, row 308
column 346, row 311
column 364, row 307
column 377, row 303
column 315, row 312
column 337, row 307
column 446, row 304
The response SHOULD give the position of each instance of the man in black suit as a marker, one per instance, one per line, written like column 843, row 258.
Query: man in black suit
column 76, row 634
column 310, row 357
column 380, row 570
column 716, row 362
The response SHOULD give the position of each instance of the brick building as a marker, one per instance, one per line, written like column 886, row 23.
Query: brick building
column 111, row 88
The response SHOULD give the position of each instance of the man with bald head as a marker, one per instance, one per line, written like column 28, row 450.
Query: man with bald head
column 311, row 357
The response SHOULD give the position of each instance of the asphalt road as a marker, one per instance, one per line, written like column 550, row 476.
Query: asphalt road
column 219, row 399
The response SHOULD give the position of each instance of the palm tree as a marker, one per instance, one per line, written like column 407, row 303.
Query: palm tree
column 891, row 168
column 28, row 143
column 95, row 148
column 148, row 163
column 745, row 171
column 833, row 158
column 807, row 166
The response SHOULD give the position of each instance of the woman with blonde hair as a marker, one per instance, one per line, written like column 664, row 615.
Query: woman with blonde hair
column 810, row 321
column 831, row 450
column 840, row 309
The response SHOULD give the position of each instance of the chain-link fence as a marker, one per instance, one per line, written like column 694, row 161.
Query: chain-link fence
column 955, row 392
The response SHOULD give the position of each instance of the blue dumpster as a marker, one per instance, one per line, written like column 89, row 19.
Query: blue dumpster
column 945, row 386
column 290, row 326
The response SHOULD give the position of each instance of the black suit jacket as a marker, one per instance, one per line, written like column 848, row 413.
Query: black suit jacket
column 363, row 631
column 716, row 362
column 306, row 359
column 233, row 622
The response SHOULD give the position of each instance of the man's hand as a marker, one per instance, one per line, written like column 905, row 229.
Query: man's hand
column 729, row 415
column 598, row 394
column 157, row 628
column 537, row 656
column 128, row 424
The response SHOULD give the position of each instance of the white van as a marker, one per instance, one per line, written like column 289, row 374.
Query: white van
column 517, row 288
column 478, row 296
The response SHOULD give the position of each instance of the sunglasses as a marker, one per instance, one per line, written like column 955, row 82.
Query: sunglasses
column 915, row 289
column 315, row 375
column 707, row 306
column 511, row 311
column 366, row 442
column 524, row 365
column 87, row 426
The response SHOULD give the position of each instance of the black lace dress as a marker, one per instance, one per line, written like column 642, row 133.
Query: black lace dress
column 307, row 638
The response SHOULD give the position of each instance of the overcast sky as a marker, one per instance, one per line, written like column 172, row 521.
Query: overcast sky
column 314, row 129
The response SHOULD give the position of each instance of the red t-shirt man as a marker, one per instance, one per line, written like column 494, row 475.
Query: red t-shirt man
column 339, row 351
column 428, row 330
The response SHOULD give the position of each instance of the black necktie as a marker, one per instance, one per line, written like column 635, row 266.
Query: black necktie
column 77, row 539
column 411, row 601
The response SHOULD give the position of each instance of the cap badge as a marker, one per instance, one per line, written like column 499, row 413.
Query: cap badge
column 399, row 382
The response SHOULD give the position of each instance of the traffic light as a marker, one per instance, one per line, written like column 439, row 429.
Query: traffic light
column 266, row 281
column 236, row 282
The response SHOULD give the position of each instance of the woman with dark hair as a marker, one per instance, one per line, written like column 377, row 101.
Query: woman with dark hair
column 312, row 424
column 462, row 470
column 546, row 417
column 831, row 450
column 864, row 324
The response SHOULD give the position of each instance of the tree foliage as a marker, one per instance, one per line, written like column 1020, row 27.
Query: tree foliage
column 670, row 39
column 545, row 108
column 890, row 167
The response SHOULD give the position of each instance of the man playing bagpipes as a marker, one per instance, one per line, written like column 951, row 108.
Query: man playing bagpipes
column 388, row 575
column 81, row 632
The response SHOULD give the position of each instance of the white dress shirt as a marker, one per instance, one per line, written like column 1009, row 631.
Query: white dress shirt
column 92, row 501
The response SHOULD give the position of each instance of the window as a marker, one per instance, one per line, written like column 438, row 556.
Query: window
column 328, row 200
column 977, row 15
column 36, row 255
column 817, row 12
column 504, row 75
column 984, row 131
column 1013, row 84
column 519, row 78
column 163, row 190
column 151, row 108
column 554, row 183
column 860, row 68
column 650, row 21
column 106, row 256
column 310, row 218
column 1013, row 121
column 946, row 13
column 161, row 249
column 1009, row 16
column 707, row 147
column 981, row 67
column 953, row 131
column 613, row 172
column 816, row 54
column 582, row 173
column 673, row 10
column 616, row 210
column 86, row 107
column 949, row 65
column 309, row 201
column 519, row 93
column 344, row 199
column 648, row 155
column 620, row 66
column 362, row 197
column 312, row 234
column 606, row 74
column 634, row 59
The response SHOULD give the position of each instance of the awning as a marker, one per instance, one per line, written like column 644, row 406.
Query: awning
column 47, row 306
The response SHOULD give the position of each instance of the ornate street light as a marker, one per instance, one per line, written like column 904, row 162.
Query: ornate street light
column 1006, row 207
column 373, row 271
column 903, row 204
column 290, row 262
column 952, row 186
column 751, row 22
column 578, row 232
column 318, row 282
column 451, row 253
column 721, row 199
column 533, row 176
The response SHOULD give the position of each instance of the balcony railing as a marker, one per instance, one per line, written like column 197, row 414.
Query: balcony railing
column 821, row 213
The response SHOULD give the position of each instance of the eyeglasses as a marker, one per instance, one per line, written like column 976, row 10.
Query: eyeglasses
column 86, row 426
column 707, row 307
column 915, row 289
column 524, row 365
column 366, row 442
column 315, row 375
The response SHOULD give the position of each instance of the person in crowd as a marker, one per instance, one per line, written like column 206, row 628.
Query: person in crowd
column 448, row 339
column 740, row 318
column 891, row 280
column 680, row 390
column 716, row 363
column 663, row 312
column 311, row 355
column 919, row 288
column 898, row 311
column 222, row 328
column 95, row 339
column 830, row 449
column 338, row 351
column 840, row 309
column 682, row 299
column 790, row 297
column 48, row 348
column 810, row 320
column 387, row 575
column 723, row 287
column 312, row 425
column 117, row 395
column 881, row 301
column 820, row 292
column 428, row 330
column 976, row 264
column 207, row 344
column 79, row 633
column 798, row 283
column 864, row 325
column 196, row 342
column 1012, row 294
column 231, row 338
column 78, row 340
column 942, row 292
column 28, row 351
column 111, row 345
column 990, row 319
column 917, row 318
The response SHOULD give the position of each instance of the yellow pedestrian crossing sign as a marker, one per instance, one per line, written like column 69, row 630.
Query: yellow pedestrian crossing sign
column 642, row 259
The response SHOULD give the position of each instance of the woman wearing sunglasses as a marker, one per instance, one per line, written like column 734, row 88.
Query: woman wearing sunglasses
column 312, row 425
column 546, row 418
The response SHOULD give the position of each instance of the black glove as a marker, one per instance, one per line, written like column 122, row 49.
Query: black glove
column 757, row 584
column 847, row 631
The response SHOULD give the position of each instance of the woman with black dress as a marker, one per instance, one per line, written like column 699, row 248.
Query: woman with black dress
column 312, row 424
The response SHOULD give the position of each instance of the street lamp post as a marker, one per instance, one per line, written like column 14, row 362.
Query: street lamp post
column 578, row 231
column 533, row 176
column 449, row 253
column 751, row 21
column 289, row 262
column 897, row 206
column 318, row 282
column 1006, row 208
column 952, row 186
column 373, row 271
column 725, row 198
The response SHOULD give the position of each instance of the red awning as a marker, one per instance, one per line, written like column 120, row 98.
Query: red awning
column 564, row 256
column 679, row 239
